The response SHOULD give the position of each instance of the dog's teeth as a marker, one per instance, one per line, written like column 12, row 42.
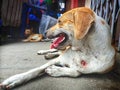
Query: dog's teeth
column 62, row 39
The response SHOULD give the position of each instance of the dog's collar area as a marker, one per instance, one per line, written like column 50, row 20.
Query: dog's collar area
column 59, row 40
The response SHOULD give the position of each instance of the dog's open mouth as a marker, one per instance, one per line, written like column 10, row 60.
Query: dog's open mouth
column 59, row 40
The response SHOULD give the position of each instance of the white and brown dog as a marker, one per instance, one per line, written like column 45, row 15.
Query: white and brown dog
column 90, row 51
column 32, row 37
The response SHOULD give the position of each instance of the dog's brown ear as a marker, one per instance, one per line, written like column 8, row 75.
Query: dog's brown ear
column 83, row 20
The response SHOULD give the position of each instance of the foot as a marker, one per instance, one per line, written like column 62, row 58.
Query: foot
column 13, row 81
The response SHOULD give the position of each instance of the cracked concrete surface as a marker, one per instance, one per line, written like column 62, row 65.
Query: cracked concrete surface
column 20, row 57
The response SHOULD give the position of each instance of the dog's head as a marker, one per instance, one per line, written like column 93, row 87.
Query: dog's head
column 28, row 31
column 72, row 25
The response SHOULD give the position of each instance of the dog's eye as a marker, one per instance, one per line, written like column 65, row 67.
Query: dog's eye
column 59, row 21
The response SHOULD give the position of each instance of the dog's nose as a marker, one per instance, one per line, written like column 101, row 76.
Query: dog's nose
column 49, row 36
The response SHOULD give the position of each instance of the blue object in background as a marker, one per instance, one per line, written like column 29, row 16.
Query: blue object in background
column 32, row 17
column 23, row 25
column 0, row 22
column 59, row 15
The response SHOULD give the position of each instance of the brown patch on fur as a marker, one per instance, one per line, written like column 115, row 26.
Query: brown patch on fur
column 82, row 18
column 83, row 25
column 103, row 22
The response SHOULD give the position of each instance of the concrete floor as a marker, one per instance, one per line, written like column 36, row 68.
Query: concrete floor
column 20, row 57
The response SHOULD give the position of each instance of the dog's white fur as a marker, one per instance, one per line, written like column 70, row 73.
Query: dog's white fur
column 94, row 49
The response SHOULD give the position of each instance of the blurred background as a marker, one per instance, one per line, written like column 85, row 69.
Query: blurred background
column 17, row 15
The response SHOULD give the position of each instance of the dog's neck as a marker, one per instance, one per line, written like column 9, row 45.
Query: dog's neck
column 93, row 42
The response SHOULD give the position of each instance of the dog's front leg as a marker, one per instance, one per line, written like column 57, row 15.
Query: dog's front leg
column 42, row 52
column 52, row 55
column 24, row 77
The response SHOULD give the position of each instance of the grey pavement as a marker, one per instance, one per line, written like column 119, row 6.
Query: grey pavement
column 20, row 57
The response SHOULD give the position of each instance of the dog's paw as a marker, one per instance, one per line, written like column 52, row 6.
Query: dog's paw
column 12, row 81
column 54, row 71
column 25, row 40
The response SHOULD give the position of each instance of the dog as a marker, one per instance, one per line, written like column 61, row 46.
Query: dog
column 32, row 37
column 90, row 51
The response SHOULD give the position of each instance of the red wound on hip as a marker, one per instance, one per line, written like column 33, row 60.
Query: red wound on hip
column 83, row 63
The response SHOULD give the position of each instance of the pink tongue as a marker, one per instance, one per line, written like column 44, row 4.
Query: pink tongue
column 57, row 41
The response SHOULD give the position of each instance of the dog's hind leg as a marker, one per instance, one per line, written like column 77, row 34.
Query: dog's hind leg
column 57, row 71
column 24, row 77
